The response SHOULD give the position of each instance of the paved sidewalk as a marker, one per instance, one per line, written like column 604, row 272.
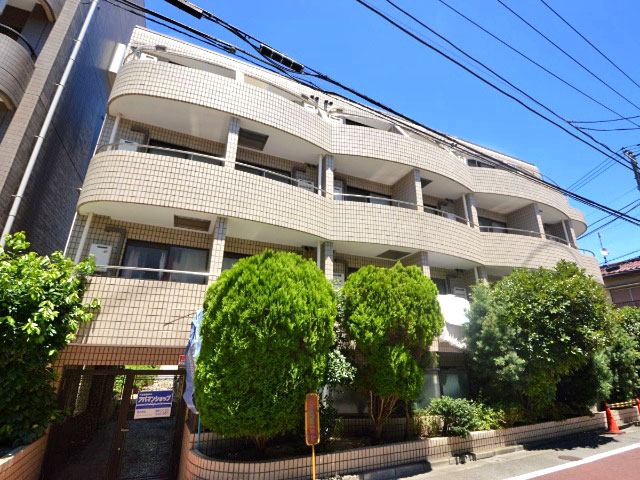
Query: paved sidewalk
column 623, row 466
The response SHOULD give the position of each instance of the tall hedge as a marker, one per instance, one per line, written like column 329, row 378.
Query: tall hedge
column 40, row 310
column 266, row 334
column 391, row 316
column 533, row 328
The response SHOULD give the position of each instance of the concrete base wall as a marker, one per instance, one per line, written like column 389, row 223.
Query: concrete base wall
column 24, row 463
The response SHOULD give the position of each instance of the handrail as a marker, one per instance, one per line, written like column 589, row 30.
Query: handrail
column 106, row 147
column 445, row 214
column 589, row 251
column 156, row 270
column 517, row 231
column 21, row 37
column 556, row 238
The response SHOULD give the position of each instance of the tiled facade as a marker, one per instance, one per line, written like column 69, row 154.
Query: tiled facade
column 172, row 146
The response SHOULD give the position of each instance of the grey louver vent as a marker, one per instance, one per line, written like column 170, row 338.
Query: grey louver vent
column 191, row 223
column 392, row 254
column 252, row 140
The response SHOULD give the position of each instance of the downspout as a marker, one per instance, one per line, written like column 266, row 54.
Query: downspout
column 17, row 200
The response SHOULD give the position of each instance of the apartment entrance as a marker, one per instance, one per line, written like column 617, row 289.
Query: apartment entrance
column 122, row 424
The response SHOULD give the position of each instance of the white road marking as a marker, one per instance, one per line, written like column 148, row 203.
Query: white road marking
column 558, row 468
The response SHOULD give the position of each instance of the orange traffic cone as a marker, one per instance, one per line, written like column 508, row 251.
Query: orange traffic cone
column 612, row 426
column 638, row 405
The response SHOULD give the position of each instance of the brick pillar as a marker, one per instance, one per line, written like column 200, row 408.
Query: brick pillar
column 327, row 175
column 408, row 189
column 232, row 142
column 326, row 260
column 217, row 248
column 473, row 210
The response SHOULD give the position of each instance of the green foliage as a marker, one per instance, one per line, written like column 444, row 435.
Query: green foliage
column 459, row 416
column 531, row 329
column 266, row 333
column 587, row 386
column 40, row 311
column 390, row 318
column 139, row 382
column 624, row 362
column 630, row 320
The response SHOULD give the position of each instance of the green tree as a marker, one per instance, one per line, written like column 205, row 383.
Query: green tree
column 40, row 310
column 630, row 321
column 390, row 318
column 531, row 329
column 266, row 334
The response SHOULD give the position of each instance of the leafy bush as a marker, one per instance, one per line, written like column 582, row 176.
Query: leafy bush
column 585, row 387
column 40, row 311
column 533, row 328
column 630, row 319
column 488, row 418
column 458, row 415
column 624, row 363
column 390, row 318
column 266, row 334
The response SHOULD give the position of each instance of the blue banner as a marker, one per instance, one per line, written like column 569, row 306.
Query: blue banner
column 190, row 356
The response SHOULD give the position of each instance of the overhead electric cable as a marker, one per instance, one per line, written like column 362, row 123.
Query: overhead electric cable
column 589, row 42
column 605, row 121
column 635, row 204
column 567, row 54
column 537, row 64
column 625, row 161
column 623, row 255
column 435, row 135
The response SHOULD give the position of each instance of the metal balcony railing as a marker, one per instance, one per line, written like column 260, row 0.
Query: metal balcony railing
column 157, row 274
column 631, row 303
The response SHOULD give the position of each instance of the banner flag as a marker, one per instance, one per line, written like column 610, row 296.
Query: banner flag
column 191, row 355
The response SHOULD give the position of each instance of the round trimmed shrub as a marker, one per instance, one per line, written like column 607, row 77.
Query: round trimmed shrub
column 266, row 334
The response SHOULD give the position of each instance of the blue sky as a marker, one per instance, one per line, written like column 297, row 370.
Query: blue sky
column 347, row 42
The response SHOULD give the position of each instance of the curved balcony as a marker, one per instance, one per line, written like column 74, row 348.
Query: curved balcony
column 402, row 225
column 18, row 63
column 150, row 188
column 52, row 8
column 502, row 249
column 493, row 181
column 578, row 221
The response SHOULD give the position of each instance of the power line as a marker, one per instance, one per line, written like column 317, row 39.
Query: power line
column 542, row 67
column 479, row 77
column 591, row 44
column 606, row 121
column 567, row 54
column 592, row 174
column 434, row 135
column 608, row 129
column 636, row 204
column 624, row 255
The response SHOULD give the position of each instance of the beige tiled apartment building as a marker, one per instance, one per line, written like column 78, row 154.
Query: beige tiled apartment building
column 36, row 41
column 204, row 159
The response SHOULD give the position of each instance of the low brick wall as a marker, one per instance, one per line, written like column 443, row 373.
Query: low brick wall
column 23, row 463
column 194, row 465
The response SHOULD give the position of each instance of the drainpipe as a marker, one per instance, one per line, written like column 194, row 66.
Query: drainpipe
column 319, row 256
column 83, row 239
column 17, row 200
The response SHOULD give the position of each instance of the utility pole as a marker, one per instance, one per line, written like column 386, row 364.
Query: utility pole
column 634, row 165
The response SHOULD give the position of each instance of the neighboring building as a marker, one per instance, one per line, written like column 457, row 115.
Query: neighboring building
column 36, row 39
column 622, row 281
column 204, row 159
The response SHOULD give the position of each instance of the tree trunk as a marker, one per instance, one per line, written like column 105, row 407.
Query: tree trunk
column 261, row 445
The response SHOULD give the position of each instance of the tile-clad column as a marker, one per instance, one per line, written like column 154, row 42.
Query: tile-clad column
column 232, row 142
column 408, row 189
column 482, row 275
column 326, row 259
column 420, row 260
column 570, row 233
column 538, row 217
column 327, row 175
column 473, row 210
column 217, row 248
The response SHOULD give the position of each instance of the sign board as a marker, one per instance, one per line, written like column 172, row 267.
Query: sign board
column 311, row 419
column 153, row 404
column 181, row 361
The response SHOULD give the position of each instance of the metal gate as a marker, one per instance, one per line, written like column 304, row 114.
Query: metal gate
column 113, row 429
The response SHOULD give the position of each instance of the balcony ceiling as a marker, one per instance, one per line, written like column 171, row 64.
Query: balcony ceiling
column 506, row 204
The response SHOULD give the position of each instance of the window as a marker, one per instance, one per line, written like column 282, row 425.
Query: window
column 267, row 172
column 182, row 154
column 165, row 257
column 441, row 283
column 365, row 196
column 488, row 225
column 453, row 382
column 472, row 162
column 230, row 259
column 353, row 123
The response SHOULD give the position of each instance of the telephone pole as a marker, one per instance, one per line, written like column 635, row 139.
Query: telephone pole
column 634, row 165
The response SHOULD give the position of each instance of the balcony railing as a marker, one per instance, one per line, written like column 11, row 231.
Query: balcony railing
column 311, row 187
column 631, row 303
column 17, row 36
column 157, row 274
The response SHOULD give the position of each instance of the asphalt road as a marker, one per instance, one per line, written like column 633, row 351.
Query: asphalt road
column 573, row 454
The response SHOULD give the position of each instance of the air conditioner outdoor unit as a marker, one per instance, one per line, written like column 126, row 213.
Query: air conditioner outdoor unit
column 102, row 255
column 460, row 292
column 306, row 184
